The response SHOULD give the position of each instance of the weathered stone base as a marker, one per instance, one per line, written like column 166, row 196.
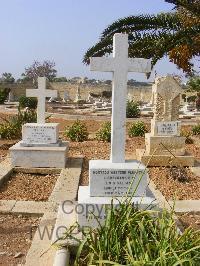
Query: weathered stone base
column 164, row 160
column 161, row 145
column 89, row 206
column 53, row 157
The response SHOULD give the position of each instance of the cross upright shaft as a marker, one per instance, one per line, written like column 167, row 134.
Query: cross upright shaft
column 119, row 65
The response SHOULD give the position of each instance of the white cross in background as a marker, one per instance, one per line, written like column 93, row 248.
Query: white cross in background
column 41, row 93
column 120, row 64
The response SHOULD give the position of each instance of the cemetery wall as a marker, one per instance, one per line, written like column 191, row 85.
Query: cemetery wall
column 140, row 92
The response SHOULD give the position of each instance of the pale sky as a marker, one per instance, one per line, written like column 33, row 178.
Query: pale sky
column 62, row 30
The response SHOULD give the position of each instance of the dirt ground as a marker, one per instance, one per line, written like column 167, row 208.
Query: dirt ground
column 22, row 186
column 16, row 234
column 186, row 188
column 191, row 219
column 92, row 149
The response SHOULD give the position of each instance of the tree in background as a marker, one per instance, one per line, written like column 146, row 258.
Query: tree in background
column 7, row 78
column 37, row 69
column 194, row 85
column 175, row 34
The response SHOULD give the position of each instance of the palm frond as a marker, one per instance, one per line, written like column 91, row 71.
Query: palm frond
column 148, row 45
column 163, row 21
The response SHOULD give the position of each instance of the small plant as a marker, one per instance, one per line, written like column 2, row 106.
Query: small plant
column 179, row 174
column 132, row 109
column 131, row 236
column 137, row 129
column 12, row 128
column 104, row 133
column 191, row 99
column 196, row 130
column 3, row 95
column 29, row 102
column 187, row 135
column 77, row 132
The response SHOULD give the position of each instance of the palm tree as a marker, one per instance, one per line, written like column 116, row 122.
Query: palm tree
column 176, row 34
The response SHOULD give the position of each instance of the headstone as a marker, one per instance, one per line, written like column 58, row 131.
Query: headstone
column 10, row 97
column 90, row 99
column 78, row 92
column 40, row 145
column 187, row 111
column 164, row 145
column 112, row 178
column 66, row 97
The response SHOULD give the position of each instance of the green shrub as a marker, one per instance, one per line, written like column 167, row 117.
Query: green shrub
column 3, row 95
column 12, row 128
column 132, row 109
column 187, row 135
column 196, row 130
column 104, row 133
column 191, row 98
column 131, row 236
column 77, row 132
column 29, row 102
column 137, row 129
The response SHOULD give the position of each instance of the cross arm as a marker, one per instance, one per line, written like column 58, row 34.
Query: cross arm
column 139, row 65
column 32, row 92
column 102, row 64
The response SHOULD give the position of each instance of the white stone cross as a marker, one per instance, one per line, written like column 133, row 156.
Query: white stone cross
column 41, row 93
column 120, row 64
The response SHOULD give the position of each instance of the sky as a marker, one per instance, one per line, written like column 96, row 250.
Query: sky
column 63, row 30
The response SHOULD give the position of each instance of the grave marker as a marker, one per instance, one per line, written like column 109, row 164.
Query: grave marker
column 112, row 178
column 41, row 94
column 164, row 145
column 40, row 145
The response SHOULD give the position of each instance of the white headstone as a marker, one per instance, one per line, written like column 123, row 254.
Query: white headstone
column 41, row 93
column 119, row 65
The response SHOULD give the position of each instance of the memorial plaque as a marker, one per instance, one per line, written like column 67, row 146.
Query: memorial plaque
column 112, row 181
column 167, row 128
column 40, row 133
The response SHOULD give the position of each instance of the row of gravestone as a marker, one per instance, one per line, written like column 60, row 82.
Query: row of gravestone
column 41, row 147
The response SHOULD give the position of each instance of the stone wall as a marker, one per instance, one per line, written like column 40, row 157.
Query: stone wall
column 138, row 93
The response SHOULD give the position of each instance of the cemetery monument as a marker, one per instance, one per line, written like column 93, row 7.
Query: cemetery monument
column 164, row 145
column 112, row 178
column 40, row 145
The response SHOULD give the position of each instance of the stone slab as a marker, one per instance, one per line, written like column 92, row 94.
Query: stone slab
column 33, row 207
column 5, row 170
column 33, row 133
column 164, row 145
column 66, row 217
column 57, row 144
column 33, row 157
column 186, row 205
column 41, row 252
column 165, row 128
column 109, row 179
column 43, row 171
column 6, row 206
column 89, row 206
column 164, row 160
column 66, row 187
